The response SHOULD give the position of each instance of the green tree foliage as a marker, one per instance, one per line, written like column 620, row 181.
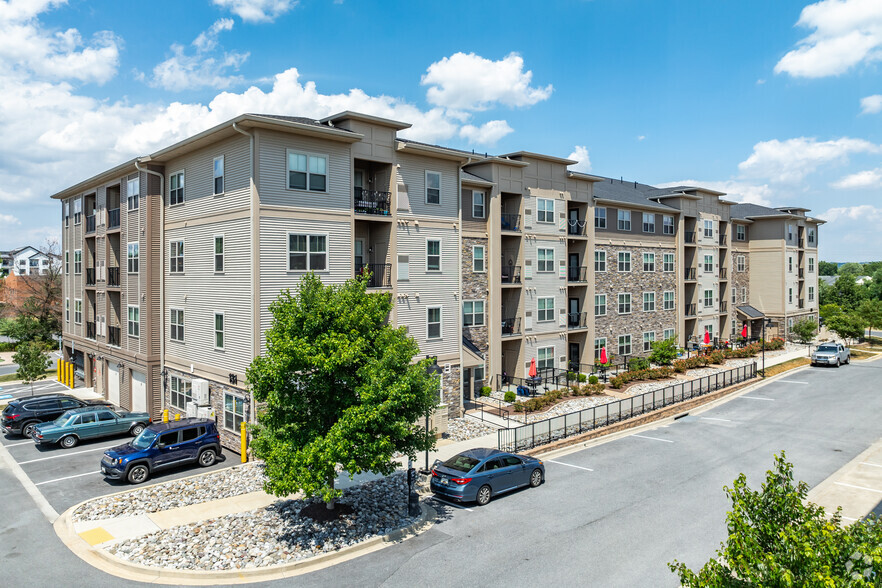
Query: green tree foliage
column 340, row 387
column 664, row 352
column 851, row 269
column 35, row 307
column 871, row 267
column 32, row 363
column 827, row 268
column 778, row 539
column 874, row 288
column 847, row 325
column 871, row 312
column 827, row 311
column 804, row 330
column 844, row 292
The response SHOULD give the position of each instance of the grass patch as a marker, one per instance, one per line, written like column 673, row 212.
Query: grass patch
column 787, row 366
column 855, row 354
column 867, row 347
column 14, row 378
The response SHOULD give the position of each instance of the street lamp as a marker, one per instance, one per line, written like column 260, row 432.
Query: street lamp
column 433, row 370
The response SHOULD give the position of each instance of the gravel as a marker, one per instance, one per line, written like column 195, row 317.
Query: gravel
column 219, row 484
column 567, row 406
column 273, row 535
column 465, row 428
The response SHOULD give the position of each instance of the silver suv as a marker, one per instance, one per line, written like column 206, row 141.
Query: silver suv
column 831, row 354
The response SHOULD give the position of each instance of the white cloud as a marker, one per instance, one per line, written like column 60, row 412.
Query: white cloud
column 8, row 219
column 580, row 154
column 871, row 104
column 865, row 213
column 257, row 10
column 871, row 178
column 487, row 134
column 641, row 137
column 735, row 190
column 846, row 33
column 790, row 161
column 471, row 82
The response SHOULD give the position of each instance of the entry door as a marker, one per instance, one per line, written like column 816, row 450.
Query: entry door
column 575, row 356
column 574, row 267
column 113, row 383
column 467, row 384
column 359, row 255
column 574, row 227
column 139, row 392
column 574, row 311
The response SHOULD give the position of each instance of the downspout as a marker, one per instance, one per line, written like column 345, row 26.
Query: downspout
column 255, row 259
column 161, row 281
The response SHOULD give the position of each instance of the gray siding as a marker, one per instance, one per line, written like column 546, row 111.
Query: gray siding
column 413, row 173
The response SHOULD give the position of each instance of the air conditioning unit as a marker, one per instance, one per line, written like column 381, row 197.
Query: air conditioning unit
column 205, row 412
column 200, row 392
column 192, row 409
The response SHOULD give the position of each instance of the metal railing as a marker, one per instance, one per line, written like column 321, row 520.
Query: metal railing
column 113, row 218
column 380, row 274
column 511, row 274
column 723, row 273
column 90, row 276
column 801, row 303
column 689, row 273
column 722, row 239
column 577, row 320
column 577, row 227
column 90, row 224
column 577, row 274
column 575, row 423
column 113, row 277
column 372, row 202
column 113, row 336
column 511, row 326
column 479, row 409
column 510, row 222
column 689, row 236
column 724, row 306
column 690, row 310
column 801, row 273
column 90, row 330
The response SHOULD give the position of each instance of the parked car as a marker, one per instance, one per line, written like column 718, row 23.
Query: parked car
column 89, row 423
column 831, row 354
column 479, row 474
column 163, row 445
column 21, row 415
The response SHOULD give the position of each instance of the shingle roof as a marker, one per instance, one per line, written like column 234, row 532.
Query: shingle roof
column 749, row 311
column 633, row 193
column 747, row 209
column 297, row 119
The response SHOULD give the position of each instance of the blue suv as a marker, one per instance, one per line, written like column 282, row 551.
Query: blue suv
column 163, row 445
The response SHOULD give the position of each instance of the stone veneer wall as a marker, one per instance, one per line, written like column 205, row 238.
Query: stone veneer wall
column 451, row 389
column 739, row 280
column 474, row 287
column 636, row 282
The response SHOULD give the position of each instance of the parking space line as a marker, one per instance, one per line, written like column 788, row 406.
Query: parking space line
column 858, row 487
column 67, row 478
column 791, row 382
column 756, row 398
column 715, row 419
column 65, row 454
column 50, row 513
column 875, row 465
column 452, row 504
column 653, row 438
column 569, row 465
column 31, row 441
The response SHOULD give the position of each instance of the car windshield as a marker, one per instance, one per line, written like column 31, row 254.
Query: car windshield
column 144, row 440
column 461, row 463
column 62, row 420
column 827, row 348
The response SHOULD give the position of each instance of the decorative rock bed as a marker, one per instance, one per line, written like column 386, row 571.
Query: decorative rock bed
column 465, row 428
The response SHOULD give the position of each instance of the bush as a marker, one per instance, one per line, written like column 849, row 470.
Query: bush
column 638, row 363
column 664, row 352
column 485, row 391
column 582, row 378
column 593, row 380
column 716, row 357
column 7, row 346
column 510, row 396
column 572, row 376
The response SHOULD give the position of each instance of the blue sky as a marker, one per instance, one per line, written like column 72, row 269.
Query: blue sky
column 773, row 102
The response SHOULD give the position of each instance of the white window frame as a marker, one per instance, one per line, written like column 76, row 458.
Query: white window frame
column 440, row 323
column 811, row 265
column 221, row 332
column 180, row 389
column 601, row 261
column 600, row 218
column 789, row 232
column 176, row 256
column 475, row 205
column 743, row 295
column 78, row 311
column 546, row 312
column 708, row 266
column 545, row 357
column 789, row 295
column 133, row 193
column 623, row 300
column 474, row 313
column 219, row 256
column 309, row 156
column 708, row 229
column 649, row 302
column 649, row 225
column 403, row 268
column 648, row 259
column 476, row 258
column 543, row 214
column 215, row 177
column 67, row 263
column 236, row 418
column 309, row 252
column 740, row 263
column 624, row 262
column 789, row 264
column 599, row 344
column 734, row 295
column 133, row 327
column 811, row 293
column 433, row 173
column 625, row 346
column 708, row 302
column 176, row 328
column 428, row 255
column 740, row 233
column 78, row 262
column 668, row 227
column 666, row 299
column 78, row 210
column 811, row 236
column 544, row 266
column 67, row 310
column 648, row 341
column 623, row 220
column 665, row 263
column 599, row 304
column 179, row 189
column 669, row 333
column 133, row 261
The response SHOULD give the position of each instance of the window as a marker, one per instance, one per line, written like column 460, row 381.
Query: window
column 176, row 257
column 473, row 313
column 600, row 305
column 790, row 295
column 176, row 188
column 709, row 228
column 790, row 264
column 624, row 261
column 67, row 310
column 218, row 330
column 78, row 261
column 544, row 210
column 177, row 325
column 667, row 225
column 599, row 344
column 307, row 252
column 649, row 262
column 546, row 309
column 599, row 218
column 708, row 264
column 648, row 301
column 433, row 255
column 181, row 392
column 478, row 373
column 740, row 233
column 545, row 358
column 743, row 295
column 648, row 340
column 811, row 236
column 668, row 300
column 478, row 259
column 790, row 232
column 599, row 260
column 648, row 222
column 734, row 294
column 219, row 175
column 67, row 213
column 234, row 412
column 403, row 268
column 133, row 192
column 624, row 223
column 218, row 253
column 708, row 298
column 624, row 304
column 307, row 172
column 811, row 293
column 433, row 187
column 433, row 322
column 669, row 334
column 133, row 250
column 740, row 263
column 67, row 262
column 624, row 345
column 134, row 321
column 78, row 210
column 668, row 263
column 546, row 260
column 477, row 205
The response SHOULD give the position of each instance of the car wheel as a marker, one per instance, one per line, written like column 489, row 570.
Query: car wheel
column 137, row 429
column 536, row 478
column 68, row 441
column 207, row 458
column 838, row 363
column 483, row 496
column 138, row 473
column 848, row 360
column 28, row 429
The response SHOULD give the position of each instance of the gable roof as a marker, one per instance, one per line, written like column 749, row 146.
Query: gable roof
column 630, row 193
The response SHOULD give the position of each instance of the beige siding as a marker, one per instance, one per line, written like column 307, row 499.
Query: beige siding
column 413, row 173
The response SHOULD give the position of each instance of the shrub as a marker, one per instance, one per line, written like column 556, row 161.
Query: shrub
column 7, row 346
column 617, row 382
column 638, row 363
column 485, row 391
column 518, row 406
column 594, row 389
column 582, row 378
column 680, row 366
column 593, row 380
column 510, row 396
column 664, row 352
column 716, row 357
column 572, row 376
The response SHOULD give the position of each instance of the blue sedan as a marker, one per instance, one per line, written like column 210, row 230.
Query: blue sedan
column 479, row 474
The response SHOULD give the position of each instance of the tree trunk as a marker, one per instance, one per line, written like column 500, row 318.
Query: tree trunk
column 330, row 503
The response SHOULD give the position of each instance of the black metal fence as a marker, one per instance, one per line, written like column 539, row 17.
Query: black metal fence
column 113, row 277
column 113, row 218
column 511, row 274
column 510, row 222
column 577, row 274
column 576, row 423
column 372, row 202
column 380, row 274
column 511, row 326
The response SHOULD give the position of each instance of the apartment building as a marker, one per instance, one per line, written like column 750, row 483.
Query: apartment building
column 25, row 261
column 172, row 260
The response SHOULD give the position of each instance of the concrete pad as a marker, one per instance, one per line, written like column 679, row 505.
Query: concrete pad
column 119, row 528
column 856, row 487
column 194, row 513
column 96, row 536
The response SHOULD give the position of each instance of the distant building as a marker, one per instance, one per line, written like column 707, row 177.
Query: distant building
column 24, row 261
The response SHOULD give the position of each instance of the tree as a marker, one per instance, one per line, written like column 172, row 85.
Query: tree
column 871, row 312
column 827, row 311
column 340, row 387
column 871, row 267
column 845, row 292
column 776, row 538
column 664, row 352
column 34, row 302
column 847, row 325
column 874, row 288
column 827, row 268
column 32, row 363
column 804, row 330
column 851, row 269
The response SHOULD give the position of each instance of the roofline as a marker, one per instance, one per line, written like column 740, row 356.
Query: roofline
column 541, row 156
column 620, row 203
column 441, row 152
column 728, row 201
column 818, row 221
column 584, row 176
column 101, row 178
column 477, row 182
column 349, row 114
column 676, row 195
column 500, row 160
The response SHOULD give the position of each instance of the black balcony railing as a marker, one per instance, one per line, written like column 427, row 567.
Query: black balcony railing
column 511, row 222
column 380, row 274
column 801, row 303
column 724, row 306
column 90, row 330
column 689, row 236
column 690, row 310
column 90, row 224
column 577, row 227
column 90, row 276
column 113, row 335
column 511, row 326
column 577, row 320
column 577, row 274
column 689, row 273
column 113, row 218
column 801, row 273
column 372, row 202
column 722, row 240
column 113, row 277
column 723, row 273
column 511, row 274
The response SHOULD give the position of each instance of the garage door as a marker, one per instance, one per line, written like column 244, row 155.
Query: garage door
column 139, row 392
column 113, row 383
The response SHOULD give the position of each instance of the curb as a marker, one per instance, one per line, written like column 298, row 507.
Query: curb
column 100, row 559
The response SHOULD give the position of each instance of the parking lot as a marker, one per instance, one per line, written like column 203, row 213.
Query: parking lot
column 66, row 477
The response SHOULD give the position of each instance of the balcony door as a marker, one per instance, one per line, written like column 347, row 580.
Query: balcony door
column 359, row 254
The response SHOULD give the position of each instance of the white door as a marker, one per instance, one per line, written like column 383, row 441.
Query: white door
column 139, row 392
column 113, row 383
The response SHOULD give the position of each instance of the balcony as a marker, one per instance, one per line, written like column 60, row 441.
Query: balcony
column 801, row 303
column 724, row 307
column 511, row 326
column 90, row 276
column 722, row 240
column 113, row 277
column 372, row 202
column 90, row 224
column 380, row 274
column 689, row 237
column 577, row 320
column 90, row 330
column 690, row 310
column 577, row 274
column 577, row 227
column 723, row 273
column 113, row 336
column 511, row 275
column 801, row 274
column 510, row 222
column 689, row 274
column 113, row 218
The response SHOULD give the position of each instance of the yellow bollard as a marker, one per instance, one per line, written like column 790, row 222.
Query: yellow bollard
column 70, row 376
column 178, row 416
column 244, row 437
column 72, row 382
column 165, row 415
